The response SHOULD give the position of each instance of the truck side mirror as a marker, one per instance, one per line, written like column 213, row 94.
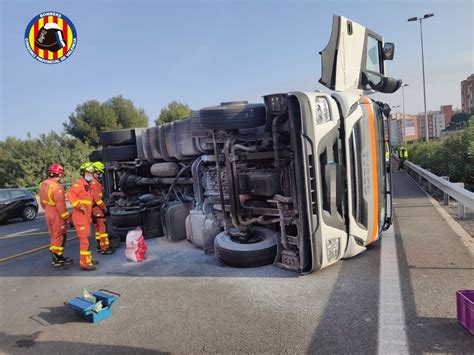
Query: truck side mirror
column 380, row 83
column 388, row 51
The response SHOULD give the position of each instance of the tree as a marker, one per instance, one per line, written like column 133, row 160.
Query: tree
column 174, row 111
column 127, row 114
column 93, row 117
column 458, row 120
column 23, row 163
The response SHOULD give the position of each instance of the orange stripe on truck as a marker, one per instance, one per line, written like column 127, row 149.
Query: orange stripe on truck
column 373, row 144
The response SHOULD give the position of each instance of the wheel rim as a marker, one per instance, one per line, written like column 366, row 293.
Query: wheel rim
column 255, row 237
column 30, row 213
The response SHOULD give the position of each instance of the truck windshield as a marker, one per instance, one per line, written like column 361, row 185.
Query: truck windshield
column 362, row 167
column 381, row 164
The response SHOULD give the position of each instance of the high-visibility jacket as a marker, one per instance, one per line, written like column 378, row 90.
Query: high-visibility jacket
column 96, row 188
column 52, row 194
column 403, row 153
column 80, row 196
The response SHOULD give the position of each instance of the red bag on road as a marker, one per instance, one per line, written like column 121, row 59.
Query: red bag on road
column 136, row 245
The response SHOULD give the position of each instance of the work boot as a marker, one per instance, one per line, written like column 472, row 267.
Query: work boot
column 59, row 260
column 64, row 260
column 109, row 250
column 88, row 268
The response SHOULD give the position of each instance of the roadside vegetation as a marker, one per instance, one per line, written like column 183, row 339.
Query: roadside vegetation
column 453, row 156
column 23, row 162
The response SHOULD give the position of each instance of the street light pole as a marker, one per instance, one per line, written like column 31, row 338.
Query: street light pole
column 396, row 118
column 404, row 115
column 423, row 68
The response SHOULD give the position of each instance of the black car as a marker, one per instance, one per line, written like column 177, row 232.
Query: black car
column 17, row 203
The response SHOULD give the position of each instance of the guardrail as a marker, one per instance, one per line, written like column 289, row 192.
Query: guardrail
column 455, row 190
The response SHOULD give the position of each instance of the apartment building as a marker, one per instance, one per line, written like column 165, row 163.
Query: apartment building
column 467, row 101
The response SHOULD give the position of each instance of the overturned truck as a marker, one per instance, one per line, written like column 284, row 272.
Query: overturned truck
column 299, row 180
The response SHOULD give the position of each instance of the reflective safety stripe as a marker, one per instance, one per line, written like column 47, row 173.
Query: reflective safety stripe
column 100, row 202
column 56, row 250
column 49, row 201
column 82, row 228
column 84, row 202
column 101, row 194
column 97, row 234
column 103, row 235
column 85, row 252
column 65, row 214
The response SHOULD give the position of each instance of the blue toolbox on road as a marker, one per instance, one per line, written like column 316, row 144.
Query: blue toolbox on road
column 93, row 311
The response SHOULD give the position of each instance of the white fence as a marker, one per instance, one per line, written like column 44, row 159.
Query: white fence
column 455, row 190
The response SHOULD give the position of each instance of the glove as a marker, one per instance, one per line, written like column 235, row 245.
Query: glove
column 83, row 209
column 71, row 225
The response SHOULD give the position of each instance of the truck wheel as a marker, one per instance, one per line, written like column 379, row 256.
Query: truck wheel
column 232, row 253
column 96, row 155
column 232, row 115
column 123, row 218
column 118, row 137
column 124, row 152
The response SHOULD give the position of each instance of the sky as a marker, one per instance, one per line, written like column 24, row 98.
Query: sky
column 205, row 52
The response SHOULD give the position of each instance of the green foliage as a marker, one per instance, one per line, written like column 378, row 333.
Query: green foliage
column 174, row 111
column 128, row 116
column 23, row 163
column 93, row 117
column 458, row 120
column 453, row 156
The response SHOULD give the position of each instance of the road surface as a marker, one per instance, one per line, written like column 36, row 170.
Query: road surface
column 399, row 296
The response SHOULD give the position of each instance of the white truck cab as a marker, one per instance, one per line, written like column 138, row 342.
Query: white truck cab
column 343, row 139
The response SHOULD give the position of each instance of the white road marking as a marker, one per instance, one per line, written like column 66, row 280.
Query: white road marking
column 392, row 328
column 22, row 232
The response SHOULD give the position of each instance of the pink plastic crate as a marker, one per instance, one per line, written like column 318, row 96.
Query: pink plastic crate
column 465, row 308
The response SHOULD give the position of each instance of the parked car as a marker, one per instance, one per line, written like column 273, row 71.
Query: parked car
column 17, row 203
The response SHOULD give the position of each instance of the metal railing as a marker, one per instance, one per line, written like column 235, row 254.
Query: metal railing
column 455, row 190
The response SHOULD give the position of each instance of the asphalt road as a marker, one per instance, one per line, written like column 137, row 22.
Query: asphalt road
column 182, row 301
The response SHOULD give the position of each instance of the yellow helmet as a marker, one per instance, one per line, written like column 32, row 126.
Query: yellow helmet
column 87, row 166
column 99, row 167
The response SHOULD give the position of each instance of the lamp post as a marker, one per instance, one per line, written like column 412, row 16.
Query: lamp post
column 404, row 115
column 396, row 118
column 423, row 66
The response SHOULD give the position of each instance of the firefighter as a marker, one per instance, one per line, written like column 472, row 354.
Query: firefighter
column 80, row 196
column 52, row 199
column 98, row 211
column 402, row 156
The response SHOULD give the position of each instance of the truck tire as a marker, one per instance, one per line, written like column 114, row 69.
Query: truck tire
column 118, row 137
column 232, row 115
column 124, row 152
column 235, row 254
column 123, row 218
column 96, row 155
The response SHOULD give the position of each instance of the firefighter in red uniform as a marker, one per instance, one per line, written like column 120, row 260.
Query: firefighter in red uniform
column 80, row 196
column 52, row 199
column 98, row 211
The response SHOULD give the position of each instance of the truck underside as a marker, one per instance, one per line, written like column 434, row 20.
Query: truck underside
column 296, row 181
